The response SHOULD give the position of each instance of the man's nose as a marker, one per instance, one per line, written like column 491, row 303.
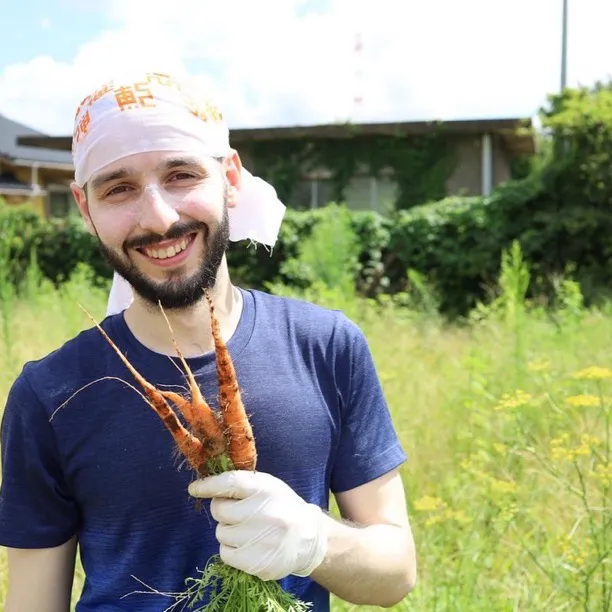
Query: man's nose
column 157, row 214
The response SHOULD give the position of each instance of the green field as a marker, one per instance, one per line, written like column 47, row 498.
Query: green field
column 506, row 421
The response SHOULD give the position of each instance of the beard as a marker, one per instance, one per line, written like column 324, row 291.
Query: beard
column 178, row 291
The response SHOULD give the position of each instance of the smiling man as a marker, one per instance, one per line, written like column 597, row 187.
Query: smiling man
column 160, row 188
column 175, row 268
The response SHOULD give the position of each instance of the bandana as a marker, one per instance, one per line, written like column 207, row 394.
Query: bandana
column 159, row 112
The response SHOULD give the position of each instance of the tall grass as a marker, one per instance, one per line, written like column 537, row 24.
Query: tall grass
column 506, row 421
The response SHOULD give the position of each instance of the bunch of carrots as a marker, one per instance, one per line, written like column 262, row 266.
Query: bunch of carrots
column 213, row 442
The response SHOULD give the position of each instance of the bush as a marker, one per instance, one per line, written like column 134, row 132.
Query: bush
column 59, row 246
column 257, row 266
column 559, row 214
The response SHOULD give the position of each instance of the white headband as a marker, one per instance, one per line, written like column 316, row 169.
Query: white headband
column 158, row 112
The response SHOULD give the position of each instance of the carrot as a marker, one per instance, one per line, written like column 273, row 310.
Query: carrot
column 241, row 443
column 192, row 449
column 204, row 425
column 204, row 421
column 183, row 404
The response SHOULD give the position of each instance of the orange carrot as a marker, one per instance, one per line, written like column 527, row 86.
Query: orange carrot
column 183, row 404
column 241, row 443
column 218, row 444
column 205, row 425
column 192, row 448
column 203, row 420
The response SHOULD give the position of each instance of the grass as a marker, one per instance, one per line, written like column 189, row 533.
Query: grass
column 506, row 420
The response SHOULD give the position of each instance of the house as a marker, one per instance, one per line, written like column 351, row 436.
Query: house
column 483, row 155
column 37, row 176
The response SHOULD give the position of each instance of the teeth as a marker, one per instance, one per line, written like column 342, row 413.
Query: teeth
column 171, row 251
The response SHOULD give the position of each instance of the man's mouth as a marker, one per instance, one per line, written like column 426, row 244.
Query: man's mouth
column 169, row 248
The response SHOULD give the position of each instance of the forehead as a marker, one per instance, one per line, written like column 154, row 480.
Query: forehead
column 151, row 162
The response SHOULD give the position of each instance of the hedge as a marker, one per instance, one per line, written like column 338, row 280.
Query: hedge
column 455, row 243
column 560, row 213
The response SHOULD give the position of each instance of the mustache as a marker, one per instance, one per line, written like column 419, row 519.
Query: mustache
column 178, row 230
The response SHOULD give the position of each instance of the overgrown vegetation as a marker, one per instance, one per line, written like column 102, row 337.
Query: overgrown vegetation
column 505, row 414
column 506, row 421
column 560, row 213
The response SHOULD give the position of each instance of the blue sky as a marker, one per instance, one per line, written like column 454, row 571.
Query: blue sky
column 40, row 27
column 283, row 62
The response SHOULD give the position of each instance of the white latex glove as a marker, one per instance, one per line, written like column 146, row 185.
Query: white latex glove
column 265, row 528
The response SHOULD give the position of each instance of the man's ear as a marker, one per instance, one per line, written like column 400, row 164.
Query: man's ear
column 80, row 197
column 233, row 173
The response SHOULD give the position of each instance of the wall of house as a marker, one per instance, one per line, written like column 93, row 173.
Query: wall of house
column 362, row 193
column 58, row 200
column 45, row 176
column 366, row 193
column 465, row 180
column 22, row 174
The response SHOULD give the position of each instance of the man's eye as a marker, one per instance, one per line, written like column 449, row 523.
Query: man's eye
column 181, row 176
column 117, row 190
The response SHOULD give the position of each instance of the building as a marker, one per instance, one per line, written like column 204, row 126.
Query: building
column 484, row 152
column 37, row 176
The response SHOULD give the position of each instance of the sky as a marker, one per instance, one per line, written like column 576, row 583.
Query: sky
column 293, row 62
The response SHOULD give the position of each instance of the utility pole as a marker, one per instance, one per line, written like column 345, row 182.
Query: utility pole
column 564, row 48
column 358, row 84
column 564, row 142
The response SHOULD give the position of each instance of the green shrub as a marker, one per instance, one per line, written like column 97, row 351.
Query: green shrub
column 560, row 214
column 58, row 246
column 256, row 266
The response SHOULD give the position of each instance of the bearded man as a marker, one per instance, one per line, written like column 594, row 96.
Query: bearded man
column 162, row 191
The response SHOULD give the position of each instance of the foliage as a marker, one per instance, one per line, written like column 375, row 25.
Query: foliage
column 220, row 588
column 559, row 215
column 328, row 255
column 566, row 223
column 509, row 475
column 58, row 246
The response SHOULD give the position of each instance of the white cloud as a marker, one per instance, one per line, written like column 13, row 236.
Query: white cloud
column 274, row 62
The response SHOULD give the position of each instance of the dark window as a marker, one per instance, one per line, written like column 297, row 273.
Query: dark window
column 61, row 204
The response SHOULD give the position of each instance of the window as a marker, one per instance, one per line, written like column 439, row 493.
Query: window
column 61, row 203
column 361, row 193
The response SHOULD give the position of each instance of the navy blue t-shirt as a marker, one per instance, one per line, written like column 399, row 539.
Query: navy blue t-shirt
column 105, row 468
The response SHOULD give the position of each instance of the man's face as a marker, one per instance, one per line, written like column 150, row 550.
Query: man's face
column 161, row 220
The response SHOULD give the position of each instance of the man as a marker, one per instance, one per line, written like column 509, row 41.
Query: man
column 85, row 460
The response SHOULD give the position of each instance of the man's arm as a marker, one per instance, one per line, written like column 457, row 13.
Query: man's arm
column 41, row 579
column 371, row 558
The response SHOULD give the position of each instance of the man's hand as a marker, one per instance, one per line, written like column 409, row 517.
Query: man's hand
column 265, row 528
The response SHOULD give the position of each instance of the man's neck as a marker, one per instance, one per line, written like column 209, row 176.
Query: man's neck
column 191, row 327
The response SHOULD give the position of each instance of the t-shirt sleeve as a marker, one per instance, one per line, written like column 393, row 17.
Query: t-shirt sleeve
column 36, row 507
column 369, row 445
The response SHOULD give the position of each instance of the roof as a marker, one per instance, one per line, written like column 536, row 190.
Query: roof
column 509, row 129
column 10, row 135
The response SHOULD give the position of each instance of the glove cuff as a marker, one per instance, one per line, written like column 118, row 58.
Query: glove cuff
column 318, row 549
